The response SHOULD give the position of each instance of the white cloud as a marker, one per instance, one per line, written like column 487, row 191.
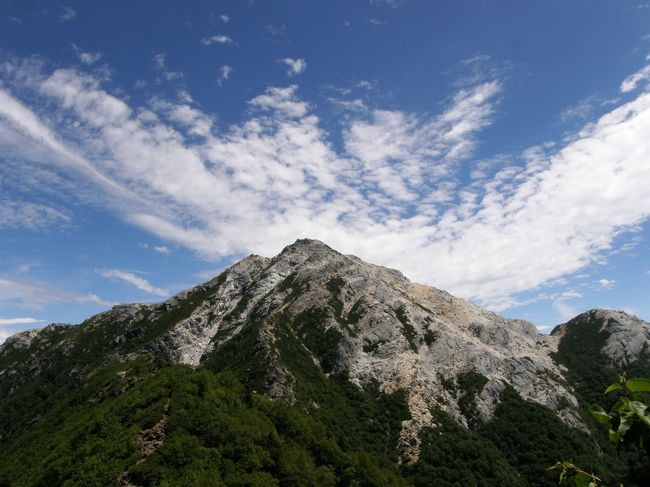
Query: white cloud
column 160, row 62
column 402, row 154
column 161, row 249
column 606, row 283
column 276, row 32
column 367, row 85
column 634, row 80
column 387, row 3
column 580, row 110
column 224, row 73
column 282, row 101
column 218, row 39
column 355, row 105
column 392, row 196
column 18, row 321
column 569, row 294
column 477, row 69
column 31, row 216
column 185, row 116
column 295, row 66
column 67, row 14
column 34, row 296
column 132, row 279
column 87, row 58
column 184, row 96
column 224, row 18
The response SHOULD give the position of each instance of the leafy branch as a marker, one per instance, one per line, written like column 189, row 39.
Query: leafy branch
column 628, row 423
column 582, row 478
column 629, row 420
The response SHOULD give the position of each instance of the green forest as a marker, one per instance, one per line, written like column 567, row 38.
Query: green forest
column 95, row 418
column 173, row 425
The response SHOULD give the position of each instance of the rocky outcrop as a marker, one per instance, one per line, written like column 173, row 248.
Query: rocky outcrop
column 25, row 355
column 400, row 334
column 24, row 339
column 628, row 337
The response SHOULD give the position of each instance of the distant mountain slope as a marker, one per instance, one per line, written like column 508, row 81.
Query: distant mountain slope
column 596, row 345
column 400, row 372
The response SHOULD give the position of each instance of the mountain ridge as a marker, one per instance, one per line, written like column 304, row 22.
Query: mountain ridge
column 306, row 325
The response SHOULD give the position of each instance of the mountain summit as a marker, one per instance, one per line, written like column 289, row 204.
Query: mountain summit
column 313, row 328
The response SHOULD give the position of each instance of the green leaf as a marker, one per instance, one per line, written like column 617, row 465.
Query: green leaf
column 640, row 410
column 582, row 479
column 600, row 415
column 613, row 387
column 623, row 427
column 622, row 405
column 613, row 436
column 638, row 385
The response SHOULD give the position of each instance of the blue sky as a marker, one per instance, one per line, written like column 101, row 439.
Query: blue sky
column 498, row 150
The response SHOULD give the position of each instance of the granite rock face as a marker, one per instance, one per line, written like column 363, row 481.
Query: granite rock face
column 628, row 337
column 396, row 333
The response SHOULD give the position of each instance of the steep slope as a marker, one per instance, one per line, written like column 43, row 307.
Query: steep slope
column 374, row 325
column 597, row 345
column 625, row 338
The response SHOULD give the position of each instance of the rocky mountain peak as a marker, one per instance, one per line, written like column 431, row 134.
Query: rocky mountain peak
column 331, row 334
column 626, row 336
column 309, row 246
column 372, row 325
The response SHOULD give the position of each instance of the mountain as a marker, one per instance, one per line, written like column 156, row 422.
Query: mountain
column 357, row 375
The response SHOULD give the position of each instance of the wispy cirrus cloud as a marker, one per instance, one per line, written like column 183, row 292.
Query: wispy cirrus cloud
column 32, row 216
column 133, row 280
column 67, row 14
column 216, row 39
column 387, row 3
column 403, row 155
column 391, row 195
column 161, row 249
column 30, row 295
column 19, row 321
